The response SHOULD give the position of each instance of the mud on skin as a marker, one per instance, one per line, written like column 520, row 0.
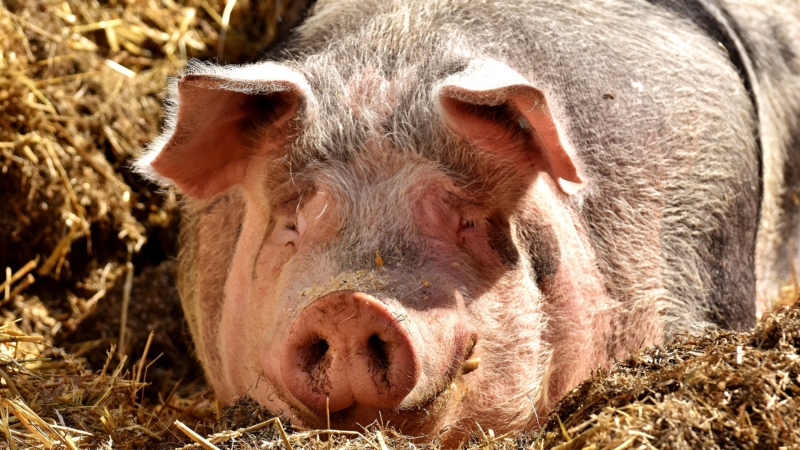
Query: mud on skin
column 447, row 213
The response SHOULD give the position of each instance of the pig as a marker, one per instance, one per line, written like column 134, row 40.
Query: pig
column 444, row 214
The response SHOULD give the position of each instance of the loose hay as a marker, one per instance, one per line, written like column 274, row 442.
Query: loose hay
column 80, row 85
column 719, row 390
column 86, row 246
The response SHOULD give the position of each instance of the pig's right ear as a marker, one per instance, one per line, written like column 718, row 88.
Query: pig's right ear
column 496, row 108
column 219, row 119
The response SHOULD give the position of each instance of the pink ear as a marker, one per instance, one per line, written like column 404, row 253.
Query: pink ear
column 224, row 119
column 494, row 107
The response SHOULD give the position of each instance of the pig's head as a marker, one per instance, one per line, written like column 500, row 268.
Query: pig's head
column 358, row 248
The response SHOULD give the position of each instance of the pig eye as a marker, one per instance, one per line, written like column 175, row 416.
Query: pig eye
column 467, row 224
column 290, row 233
column 471, row 228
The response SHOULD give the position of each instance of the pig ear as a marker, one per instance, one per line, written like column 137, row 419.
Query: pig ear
column 496, row 108
column 222, row 118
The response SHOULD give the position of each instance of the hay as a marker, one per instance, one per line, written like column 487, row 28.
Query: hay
column 719, row 390
column 86, row 245
column 85, row 263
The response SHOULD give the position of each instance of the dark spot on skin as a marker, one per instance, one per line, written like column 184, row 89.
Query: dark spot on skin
column 543, row 249
column 729, row 268
column 500, row 241
column 451, row 67
column 609, row 96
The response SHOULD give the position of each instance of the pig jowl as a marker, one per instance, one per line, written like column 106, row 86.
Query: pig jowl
column 417, row 216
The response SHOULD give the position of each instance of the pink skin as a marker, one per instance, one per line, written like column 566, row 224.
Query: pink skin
column 579, row 322
column 251, row 320
column 261, row 312
column 286, row 287
column 348, row 349
column 210, row 119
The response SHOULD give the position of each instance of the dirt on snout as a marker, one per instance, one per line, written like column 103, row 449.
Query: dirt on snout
column 94, row 351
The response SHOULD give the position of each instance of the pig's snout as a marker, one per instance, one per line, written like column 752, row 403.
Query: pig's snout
column 348, row 348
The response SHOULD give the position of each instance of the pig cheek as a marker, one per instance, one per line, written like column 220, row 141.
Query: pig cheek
column 233, row 337
column 271, row 391
column 576, row 303
column 268, row 314
column 475, row 242
column 572, row 323
column 512, row 350
column 235, row 341
column 434, row 218
column 248, row 311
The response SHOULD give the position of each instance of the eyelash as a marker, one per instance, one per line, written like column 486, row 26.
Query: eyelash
column 469, row 224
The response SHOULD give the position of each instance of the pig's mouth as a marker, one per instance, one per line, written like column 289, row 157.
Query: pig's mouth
column 421, row 420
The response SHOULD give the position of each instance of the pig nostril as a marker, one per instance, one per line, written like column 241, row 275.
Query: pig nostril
column 347, row 349
column 315, row 352
column 379, row 352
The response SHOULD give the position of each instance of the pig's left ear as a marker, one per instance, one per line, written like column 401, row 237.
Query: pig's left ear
column 496, row 108
column 219, row 119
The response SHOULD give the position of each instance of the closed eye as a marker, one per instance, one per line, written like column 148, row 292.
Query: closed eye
column 289, row 234
column 471, row 224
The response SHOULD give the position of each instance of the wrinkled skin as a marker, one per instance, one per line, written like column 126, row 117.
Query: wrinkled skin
column 443, row 214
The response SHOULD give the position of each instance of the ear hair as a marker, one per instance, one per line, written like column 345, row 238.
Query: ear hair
column 223, row 117
column 494, row 106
